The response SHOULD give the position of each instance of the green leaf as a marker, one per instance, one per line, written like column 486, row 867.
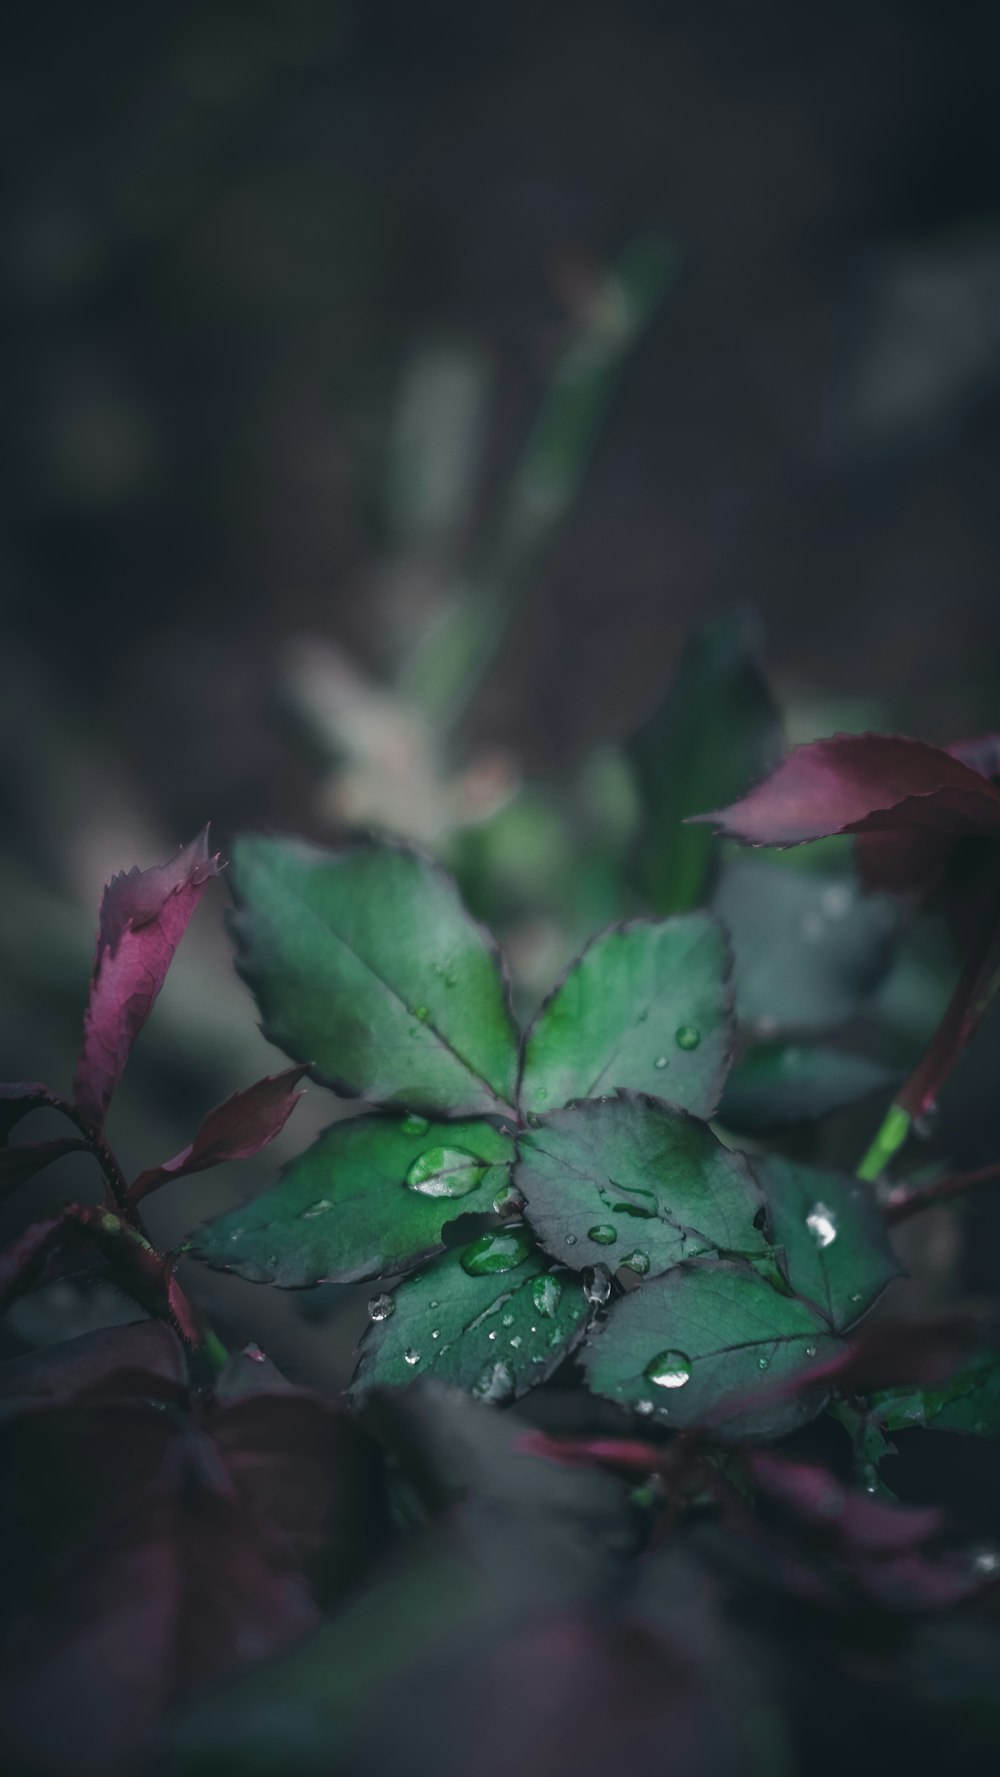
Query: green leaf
column 806, row 949
column 495, row 1332
column 646, row 1006
column 371, row 1196
column 837, row 1251
column 717, row 731
column 778, row 1084
column 969, row 1402
column 632, row 1181
column 365, row 964
column 713, row 1334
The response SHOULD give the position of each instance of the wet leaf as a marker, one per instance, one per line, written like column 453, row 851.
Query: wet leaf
column 497, row 1333
column 367, row 968
column 837, row 1251
column 370, row 1197
column 704, row 1337
column 606, row 1180
column 647, row 1006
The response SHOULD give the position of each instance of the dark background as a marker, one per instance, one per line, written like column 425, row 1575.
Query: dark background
column 231, row 233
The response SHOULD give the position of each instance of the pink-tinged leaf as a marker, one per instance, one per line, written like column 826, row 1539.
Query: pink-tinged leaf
column 144, row 914
column 19, row 1164
column 632, row 1455
column 817, row 1498
column 48, row 1248
column 89, row 1362
column 865, row 783
column 17, row 1098
column 234, row 1130
column 982, row 753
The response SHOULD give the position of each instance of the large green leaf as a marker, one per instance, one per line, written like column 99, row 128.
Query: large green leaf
column 631, row 1181
column 371, row 1196
column 496, row 1332
column 712, row 1333
column 778, row 1084
column 646, row 1006
column 365, row 964
column 806, row 949
column 837, row 1251
column 717, row 731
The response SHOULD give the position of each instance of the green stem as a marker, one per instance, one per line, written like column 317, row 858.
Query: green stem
column 890, row 1138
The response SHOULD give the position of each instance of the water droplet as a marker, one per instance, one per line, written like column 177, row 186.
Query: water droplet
column 433, row 1304
column 925, row 1125
column 492, row 1335
column 763, row 1363
column 415, row 1125
column 546, row 1293
column 856, row 1296
column 508, row 1201
column 516, row 1341
column 669, row 1369
column 822, row 1224
column 603, row 1233
column 319, row 1208
column 380, row 1307
column 420, row 1012
column 272, row 1258
column 496, row 1382
column 571, row 1240
column 541, row 1094
column 660, row 1062
column 493, row 1254
column 446, row 1172
column 506, row 1320
column 687, row 1036
column 435, row 1332
column 813, row 926
column 644, row 1407
column 597, row 1287
column 637, row 1261
column 411, row 1357
column 236, row 1234
column 810, row 1351
column 836, row 901
column 256, row 1356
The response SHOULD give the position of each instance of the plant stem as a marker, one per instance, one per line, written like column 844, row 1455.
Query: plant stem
column 890, row 1138
column 909, row 1200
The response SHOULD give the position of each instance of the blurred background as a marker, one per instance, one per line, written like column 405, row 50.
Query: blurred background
column 392, row 386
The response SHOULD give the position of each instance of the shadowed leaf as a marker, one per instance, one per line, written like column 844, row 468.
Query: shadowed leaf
column 234, row 1130
column 837, row 1251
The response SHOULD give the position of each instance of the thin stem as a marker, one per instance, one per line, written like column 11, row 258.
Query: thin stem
column 890, row 1138
column 909, row 1200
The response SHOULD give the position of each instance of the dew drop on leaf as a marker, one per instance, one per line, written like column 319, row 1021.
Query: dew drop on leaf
column 763, row 1363
column 810, row 1351
column 687, row 1036
column 637, row 1262
column 603, row 1233
column 446, row 1172
column 571, row 1240
column 496, row 1382
column 822, row 1224
column 493, row 1254
column 508, row 1201
column 380, row 1307
column 420, row 1012
column 319, row 1208
column 415, row 1125
column 661, row 1061
column 546, row 1293
column 411, row 1357
column 597, row 1287
column 506, row 1320
column 645, row 1407
column 669, row 1369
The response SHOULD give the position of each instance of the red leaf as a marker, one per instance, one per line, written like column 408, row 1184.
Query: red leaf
column 812, row 1494
column 20, row 1164
column 88, row 1362
column 234, row 1130
column 144, row 914
column 866, row 783
column 46, row 1248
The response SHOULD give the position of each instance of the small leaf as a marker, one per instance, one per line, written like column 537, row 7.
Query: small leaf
column 612, row 1181
column 19, row 1164
column 717, row 730
column 837, row 1251
column 778, row 1084
column 863, row 783
column 704, row 1339
column 647, row 1006
column 144, row 915
column 367, row 967
column 17, row 1098
column 969, row 1402
column 234, row 1130
column 806, row 949
column 495, row 1333
column 370, row 1197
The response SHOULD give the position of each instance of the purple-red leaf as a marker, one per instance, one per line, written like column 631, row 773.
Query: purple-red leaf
column 864, row 783
column 17, row 1098
column 21, row 1163
column 48, row 1247
column 144, row 914
column 88, row 1362
column 234, row 1130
